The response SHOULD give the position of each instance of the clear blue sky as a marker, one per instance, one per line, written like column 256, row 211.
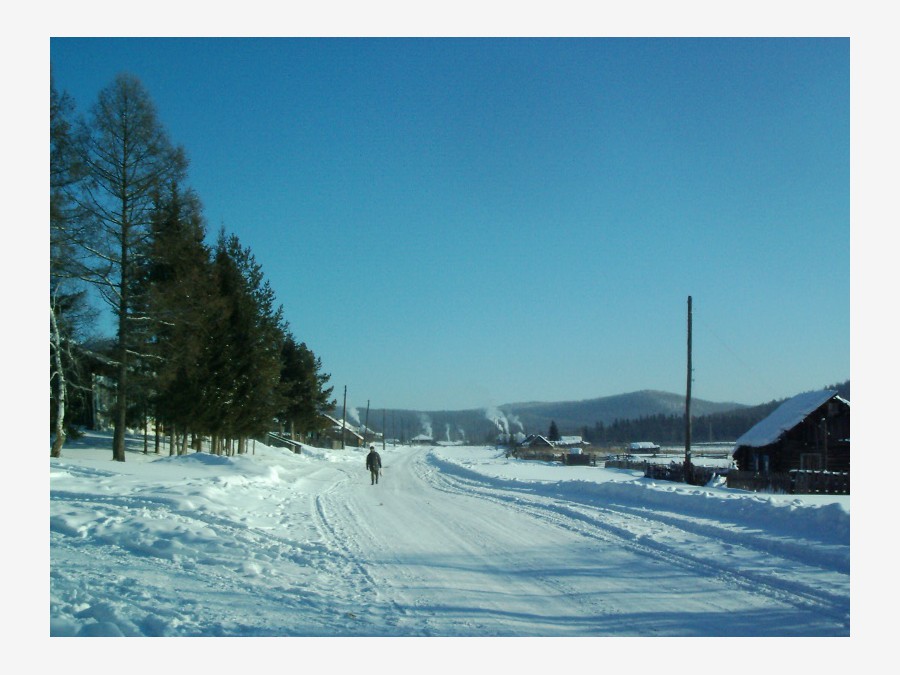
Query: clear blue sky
column 455, row 223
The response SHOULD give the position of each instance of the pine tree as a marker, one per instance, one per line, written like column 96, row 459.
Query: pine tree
column 181, row 299
column 304, row 389
column 553, row 434
column 245, row 365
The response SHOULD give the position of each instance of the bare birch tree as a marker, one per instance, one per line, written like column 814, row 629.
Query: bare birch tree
column 67, row 307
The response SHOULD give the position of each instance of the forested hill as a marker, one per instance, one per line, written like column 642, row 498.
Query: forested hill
column 573, row 416
column 638, row 416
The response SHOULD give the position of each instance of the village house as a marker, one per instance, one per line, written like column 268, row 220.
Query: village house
column 540, row 448
column 535, row 441
column 643, row 447
column 339, row 434
column 810, row 431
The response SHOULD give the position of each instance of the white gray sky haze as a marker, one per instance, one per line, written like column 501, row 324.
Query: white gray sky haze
column 460, row 223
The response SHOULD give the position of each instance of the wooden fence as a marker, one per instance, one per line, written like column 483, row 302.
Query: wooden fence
column 535, row 455
column 630, row 463
column 821, row 482
column 673, row 471
column 567, row 458
column 278, row 441
column 795, row 482
column 700, row 475
column 584, row 459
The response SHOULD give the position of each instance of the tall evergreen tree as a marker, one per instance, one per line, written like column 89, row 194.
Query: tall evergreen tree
column 127, row 156
column 304, row 388
column 248, row 335
column 181, row 299
column 553, row 433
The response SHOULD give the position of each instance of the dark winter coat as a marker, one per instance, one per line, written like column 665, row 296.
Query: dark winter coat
column 373, row 461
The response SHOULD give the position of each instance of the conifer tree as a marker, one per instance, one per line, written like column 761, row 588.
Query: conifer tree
column 127, row 156
column 553, row 433
column 181, row 299
column 304, row 388
column 245, row 365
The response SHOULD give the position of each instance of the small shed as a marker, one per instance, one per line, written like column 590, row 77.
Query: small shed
column 643, row 446
column 810, row 431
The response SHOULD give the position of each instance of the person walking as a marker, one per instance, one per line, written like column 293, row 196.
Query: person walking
column 373, row 464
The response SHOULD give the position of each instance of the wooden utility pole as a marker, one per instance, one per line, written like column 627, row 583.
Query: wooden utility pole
column 688, row 469
column 366, row 430
column 383, row 428
column 344, row 419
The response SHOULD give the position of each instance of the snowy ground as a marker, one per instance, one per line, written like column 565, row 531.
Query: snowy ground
column 454, row 542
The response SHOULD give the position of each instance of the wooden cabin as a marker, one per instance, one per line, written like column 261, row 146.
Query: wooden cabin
column 338, row 433
column 810, row 431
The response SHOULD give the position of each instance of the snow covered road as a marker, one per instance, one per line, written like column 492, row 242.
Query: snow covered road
column 452, row 542
column 457, row 555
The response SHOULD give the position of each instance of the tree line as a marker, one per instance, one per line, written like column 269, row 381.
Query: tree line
column 669, row 429
column 200, row 348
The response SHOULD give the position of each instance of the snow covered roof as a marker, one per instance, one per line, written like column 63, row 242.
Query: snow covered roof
column 339, row 425
column 784, row 418
column 643, row 445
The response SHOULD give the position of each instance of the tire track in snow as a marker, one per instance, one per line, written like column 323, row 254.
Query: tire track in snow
column 462, row 576
column 199, row 553
column 618, row 525
column 333, row 515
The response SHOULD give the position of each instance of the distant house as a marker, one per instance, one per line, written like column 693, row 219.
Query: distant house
column 568, row 449
column 422, row 439
column 537, row 448
column 643, row 446
column 808, row 431
column 339, row 434
column 103, row 402
column 535, row 441
column 91, row 396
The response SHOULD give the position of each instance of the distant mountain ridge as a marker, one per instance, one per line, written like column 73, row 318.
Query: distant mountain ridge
column 639, row 413
column 481, row 425
column 573, row 415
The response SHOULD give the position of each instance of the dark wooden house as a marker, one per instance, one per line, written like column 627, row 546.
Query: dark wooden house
column 336, row 434
column 536, row 447
column 535, row 442
column 810, row 431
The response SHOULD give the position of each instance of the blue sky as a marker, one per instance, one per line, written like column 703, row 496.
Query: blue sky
column 456, row 223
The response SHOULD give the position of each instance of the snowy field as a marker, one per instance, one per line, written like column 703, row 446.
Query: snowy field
column 453, row 542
